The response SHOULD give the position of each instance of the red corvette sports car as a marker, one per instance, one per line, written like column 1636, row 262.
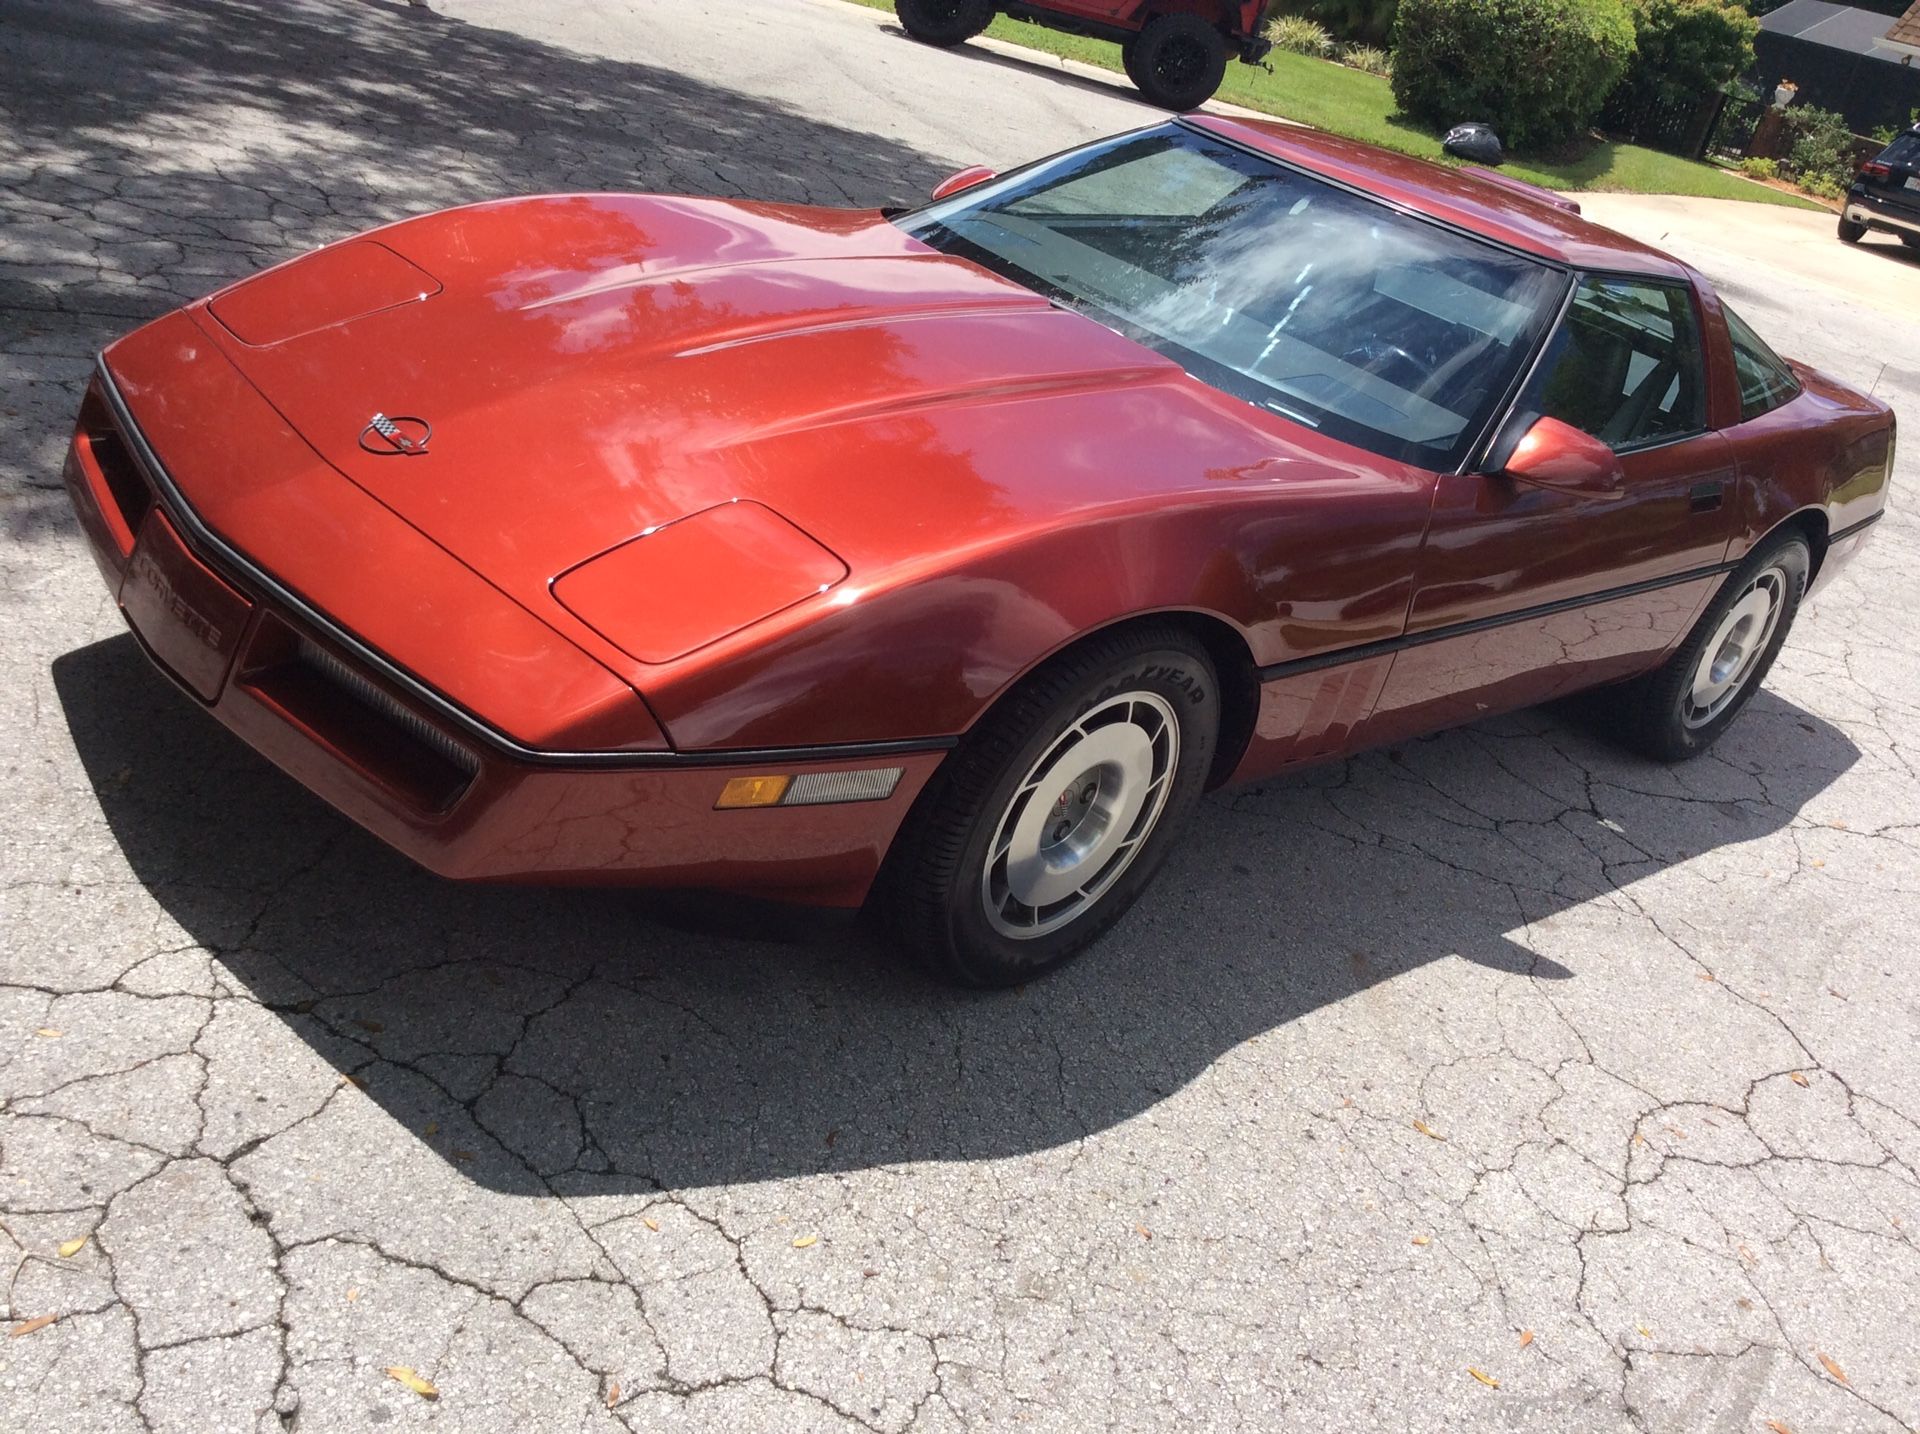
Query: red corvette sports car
column 951, row 555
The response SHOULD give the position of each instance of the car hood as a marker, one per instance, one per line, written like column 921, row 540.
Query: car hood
column 595, row 367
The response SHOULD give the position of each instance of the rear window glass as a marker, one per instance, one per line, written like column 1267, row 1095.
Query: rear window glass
column 1905, row 149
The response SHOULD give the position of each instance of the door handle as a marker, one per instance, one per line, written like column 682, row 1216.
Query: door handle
column 1705, row 497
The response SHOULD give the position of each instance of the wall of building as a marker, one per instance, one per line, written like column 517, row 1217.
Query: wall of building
column 1869, row 92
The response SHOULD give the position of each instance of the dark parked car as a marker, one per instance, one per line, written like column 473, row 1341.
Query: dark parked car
column 1886, row 194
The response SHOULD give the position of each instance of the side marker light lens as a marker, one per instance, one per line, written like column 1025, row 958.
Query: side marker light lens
column 752, row 792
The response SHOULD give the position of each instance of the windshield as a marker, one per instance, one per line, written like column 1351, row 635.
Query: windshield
column 1329, row 308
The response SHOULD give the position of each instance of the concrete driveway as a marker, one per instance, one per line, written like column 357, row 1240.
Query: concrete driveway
column 1496, row 1082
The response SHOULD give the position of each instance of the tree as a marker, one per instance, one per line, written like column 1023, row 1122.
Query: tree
column 1685, row 49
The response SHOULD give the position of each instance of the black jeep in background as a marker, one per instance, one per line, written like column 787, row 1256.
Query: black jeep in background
column 1886, row 193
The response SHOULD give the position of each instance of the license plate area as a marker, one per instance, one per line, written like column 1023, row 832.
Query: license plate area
column 189, row 618
column 1913, row 181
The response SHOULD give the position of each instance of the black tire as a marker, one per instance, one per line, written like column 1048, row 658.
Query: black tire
column 943, row 22
column 1179, row 61
column 1851, row 233
column 949, row 885
column 1129, row 50
column 1659, row 715
column 1912, row 241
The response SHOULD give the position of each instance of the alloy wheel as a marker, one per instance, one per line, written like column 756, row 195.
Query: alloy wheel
column 1080, row 815
column 1733, row 652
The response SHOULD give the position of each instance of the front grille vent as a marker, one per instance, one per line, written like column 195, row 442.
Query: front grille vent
column 323, row 662
column 126, row 484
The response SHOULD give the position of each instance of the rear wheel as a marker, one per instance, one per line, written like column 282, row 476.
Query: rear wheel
column 1912, row 241
column 943, row 22
column 1052, row 817
column 1677, row 710
column 1851, row 233
column 1178, row 61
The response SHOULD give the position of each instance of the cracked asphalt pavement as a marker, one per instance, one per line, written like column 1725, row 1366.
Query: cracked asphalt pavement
column 1499, row 1081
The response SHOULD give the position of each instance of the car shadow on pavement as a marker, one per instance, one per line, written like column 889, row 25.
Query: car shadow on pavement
column 547, row 1039
column 1890, row 247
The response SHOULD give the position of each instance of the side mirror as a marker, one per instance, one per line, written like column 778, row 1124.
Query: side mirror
column 1559, row 456
column 973, row 174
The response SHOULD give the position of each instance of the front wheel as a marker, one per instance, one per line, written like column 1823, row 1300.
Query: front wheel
column 1851, row 233
column 943, row 22
column 1178, row 61
column 1054, row 814
column 1677, row 710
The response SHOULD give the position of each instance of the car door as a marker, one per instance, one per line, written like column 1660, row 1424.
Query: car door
column 1526, row 592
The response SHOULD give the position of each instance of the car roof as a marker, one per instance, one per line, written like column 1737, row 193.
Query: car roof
column 1493, row 207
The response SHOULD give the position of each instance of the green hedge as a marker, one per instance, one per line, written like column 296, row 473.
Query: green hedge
column 1822, row 154
column 1536, row 70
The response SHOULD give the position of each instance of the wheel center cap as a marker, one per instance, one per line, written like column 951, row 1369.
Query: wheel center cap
column 1071, row 809
column 1060, row 844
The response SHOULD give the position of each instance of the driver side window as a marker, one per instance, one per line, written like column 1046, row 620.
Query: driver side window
column 1625, row 365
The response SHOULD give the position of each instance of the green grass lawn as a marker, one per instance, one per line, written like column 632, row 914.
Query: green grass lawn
column 1360, row 106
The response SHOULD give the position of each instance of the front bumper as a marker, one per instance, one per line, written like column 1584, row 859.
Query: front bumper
column 443, row 794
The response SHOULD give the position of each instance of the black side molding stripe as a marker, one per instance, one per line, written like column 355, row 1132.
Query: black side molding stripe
column 1366, row 650
column 1855, row 528
column 264, row 583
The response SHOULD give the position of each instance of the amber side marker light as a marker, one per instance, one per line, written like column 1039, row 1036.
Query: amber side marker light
column 753, row 792
column 809, row 789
